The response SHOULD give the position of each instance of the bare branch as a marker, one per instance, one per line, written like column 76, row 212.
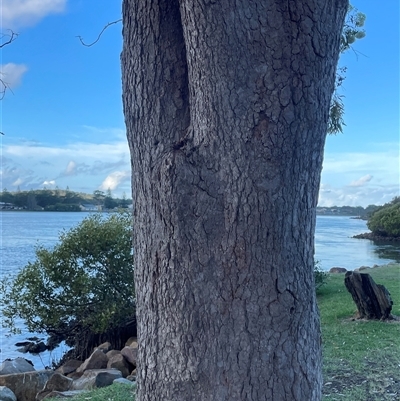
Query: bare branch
column 3, row 88
column 98, row 38
column 11, row 37
column 6, row 39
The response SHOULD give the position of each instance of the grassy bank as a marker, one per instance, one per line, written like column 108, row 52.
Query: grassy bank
column 361, row 358
column 116, row 392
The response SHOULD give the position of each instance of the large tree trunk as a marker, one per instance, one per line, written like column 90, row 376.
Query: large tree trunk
column 226, row 106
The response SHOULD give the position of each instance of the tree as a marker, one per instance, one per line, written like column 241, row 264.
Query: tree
column 385, row 221
column 6, row 196
column 352, row 31
column 99, row 196
column 109, row 202
column 81, row 288
column 226, row 106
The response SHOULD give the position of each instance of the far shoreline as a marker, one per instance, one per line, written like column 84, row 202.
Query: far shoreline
column 376, row 238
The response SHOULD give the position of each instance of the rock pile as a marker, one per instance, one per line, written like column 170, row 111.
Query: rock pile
column 19, row 381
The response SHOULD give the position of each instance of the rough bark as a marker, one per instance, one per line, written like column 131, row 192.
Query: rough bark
column 373, row 300
column 226, row 107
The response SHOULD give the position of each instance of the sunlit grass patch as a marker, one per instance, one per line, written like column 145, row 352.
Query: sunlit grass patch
column 361, row 358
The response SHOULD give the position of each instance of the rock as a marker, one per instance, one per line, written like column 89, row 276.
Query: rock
column 97, row 360
column 131, row 377
column 124, row 381
column 75, row 375
column 31, row 347
column 132, row 342
column 70, row 366
column 105, row 347
column 23, row 343
column 96, row 378
column 130, row 354
column 373, row 300
column 337, row 270
column 36, row 348
column 64, row 394
column 361, row 268
column 6, row 394
column 57, row 382
column 26, row 385
column 120, row 363
column 17, row 365
column 111, row 353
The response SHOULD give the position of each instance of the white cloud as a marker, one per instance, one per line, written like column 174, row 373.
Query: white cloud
column 361, row 181
column 86, row 151
column 49, row 183
column 17, row 13
column 11, row 74
column 81, row 166
column 17, row 182
column 114, row 179
column 70, row 170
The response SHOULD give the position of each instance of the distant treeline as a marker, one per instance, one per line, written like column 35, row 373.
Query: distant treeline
column 357, row 211
column 60, row 200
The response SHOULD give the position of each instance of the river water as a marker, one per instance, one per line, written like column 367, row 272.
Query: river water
column 20, row 232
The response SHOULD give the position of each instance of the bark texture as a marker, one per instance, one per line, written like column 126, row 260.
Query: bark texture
column 373, row 300
column 226, row 106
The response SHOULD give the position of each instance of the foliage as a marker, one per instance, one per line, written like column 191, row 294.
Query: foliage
column 85, row 283
column 385, row 221
column 352, row 31
column 60, row 200
column 61, row 207
column 320, row 276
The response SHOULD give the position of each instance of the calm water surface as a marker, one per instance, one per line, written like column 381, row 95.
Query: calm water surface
column 22, row 231
column 334, row 245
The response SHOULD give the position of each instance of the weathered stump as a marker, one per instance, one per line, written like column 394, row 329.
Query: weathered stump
column 373, row 300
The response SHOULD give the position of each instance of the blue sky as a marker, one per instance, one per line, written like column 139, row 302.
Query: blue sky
column 63, row 116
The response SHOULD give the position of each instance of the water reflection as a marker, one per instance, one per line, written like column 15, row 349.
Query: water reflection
column 387, row 250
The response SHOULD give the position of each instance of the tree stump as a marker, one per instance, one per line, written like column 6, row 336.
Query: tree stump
column 373, row 300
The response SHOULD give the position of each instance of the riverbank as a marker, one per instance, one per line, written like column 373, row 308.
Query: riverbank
column 360, row 357
column 378, row 238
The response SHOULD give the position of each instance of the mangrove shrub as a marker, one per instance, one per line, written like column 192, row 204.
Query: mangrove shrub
column 84, row 284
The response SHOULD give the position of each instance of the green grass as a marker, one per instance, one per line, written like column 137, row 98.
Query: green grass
column 361, row 358
column 115, row 392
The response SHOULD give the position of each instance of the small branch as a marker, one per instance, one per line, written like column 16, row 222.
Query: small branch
column 98, row 38
column 11, row 37
column 4, row 86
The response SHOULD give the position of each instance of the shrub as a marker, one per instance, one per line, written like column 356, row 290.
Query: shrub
column 386, row 220
column 83, row 285
column 320, row 276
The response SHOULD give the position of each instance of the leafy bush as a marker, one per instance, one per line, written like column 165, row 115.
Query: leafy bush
column 320, row 276
column 84, row 284
column 386, row 220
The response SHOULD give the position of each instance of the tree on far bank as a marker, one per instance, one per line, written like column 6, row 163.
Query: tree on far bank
column 226, row 106
column 385, row 221
column 109, row 202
